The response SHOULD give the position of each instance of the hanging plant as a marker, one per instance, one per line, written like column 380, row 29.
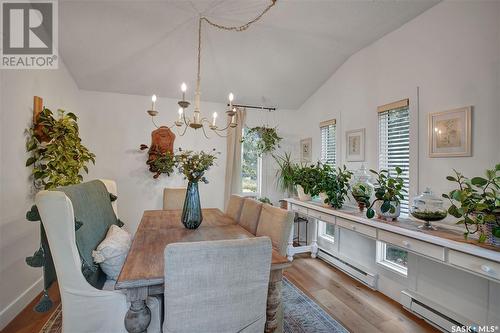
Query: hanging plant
column 58, row 155
column 164, row 163
column 265, row 139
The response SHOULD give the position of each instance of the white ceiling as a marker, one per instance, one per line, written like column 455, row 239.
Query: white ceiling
column 146, row 47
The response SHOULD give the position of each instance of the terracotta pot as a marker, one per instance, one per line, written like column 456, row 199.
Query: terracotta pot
column 302, row 195
column 387, row 215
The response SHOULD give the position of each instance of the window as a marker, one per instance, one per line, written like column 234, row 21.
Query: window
column 392, row 257
column 394, row 142
column 250, row 169
column 328, row 142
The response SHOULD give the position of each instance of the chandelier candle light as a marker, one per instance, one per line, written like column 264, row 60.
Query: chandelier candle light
column 197, row 121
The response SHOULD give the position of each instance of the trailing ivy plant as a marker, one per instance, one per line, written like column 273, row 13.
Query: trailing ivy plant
column 265, row 139
column 476, row 202
column 59, row 158
column 335, row 183
column 389, row 190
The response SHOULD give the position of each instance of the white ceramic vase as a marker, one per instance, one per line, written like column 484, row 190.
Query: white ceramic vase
column 302, row 195
column 323, row 197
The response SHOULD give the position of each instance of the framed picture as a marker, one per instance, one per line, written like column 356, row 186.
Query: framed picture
column 355, row 145
column 306, row 150
column 450, row 133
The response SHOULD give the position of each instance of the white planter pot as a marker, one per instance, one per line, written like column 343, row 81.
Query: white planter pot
column 387, row 215
column 302, row 195
column 323, row 197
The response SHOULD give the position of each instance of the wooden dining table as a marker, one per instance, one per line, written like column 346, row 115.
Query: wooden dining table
column 142, row 274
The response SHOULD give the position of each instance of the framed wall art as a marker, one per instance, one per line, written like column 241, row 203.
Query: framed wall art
column 306, row 150
column 355, row 145
column 449, row 133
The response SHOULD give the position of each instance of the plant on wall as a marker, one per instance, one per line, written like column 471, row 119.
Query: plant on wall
column 476, row 203
column 59, row 158
column 266, row 139
column 388, row 191
column 285, row 173
column 164, row 163
column 335, row 184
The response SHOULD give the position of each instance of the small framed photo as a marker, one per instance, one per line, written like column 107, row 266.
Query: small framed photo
column 306, row 150
column 355, row 145
column 449, row 133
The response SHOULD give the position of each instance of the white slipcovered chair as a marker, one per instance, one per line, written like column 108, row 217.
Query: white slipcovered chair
column 217, row 286
column 85, row 308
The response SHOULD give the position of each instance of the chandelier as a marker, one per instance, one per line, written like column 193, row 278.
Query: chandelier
column 196, row 121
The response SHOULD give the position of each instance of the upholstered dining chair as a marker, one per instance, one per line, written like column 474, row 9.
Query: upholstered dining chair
column 276, row 223
column 249, row 216
column 217, row 286
column 85, row 307
column 173, row 197
column 234, row 206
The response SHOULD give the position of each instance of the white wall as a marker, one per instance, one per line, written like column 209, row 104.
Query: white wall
column 452, row 52
column 18, row 237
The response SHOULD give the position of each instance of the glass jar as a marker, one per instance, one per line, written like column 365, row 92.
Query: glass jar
column 428, row 207
column 362, row 187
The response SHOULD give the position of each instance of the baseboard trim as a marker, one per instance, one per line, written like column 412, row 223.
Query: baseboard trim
column 16, row 306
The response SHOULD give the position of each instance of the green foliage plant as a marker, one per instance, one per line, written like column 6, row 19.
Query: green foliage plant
column 266, row 139
column 60, row 159
column 265, row 200
column 163, row 164
column 389, row 190
column 285, row 175
column 335, row 183
column 308, row 176
column 476, row 202
column 362, row 193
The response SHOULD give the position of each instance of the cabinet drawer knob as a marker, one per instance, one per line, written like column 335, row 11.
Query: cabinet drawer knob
column 406, row 243
column 353, row 227
column 486, row 269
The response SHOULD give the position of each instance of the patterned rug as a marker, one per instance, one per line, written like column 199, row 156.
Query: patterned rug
column 301, row 315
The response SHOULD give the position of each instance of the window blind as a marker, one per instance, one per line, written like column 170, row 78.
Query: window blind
column 328, row 142
column 394, row 146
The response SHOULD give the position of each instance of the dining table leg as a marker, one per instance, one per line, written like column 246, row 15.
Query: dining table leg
column 274, row 319
column 138, row 315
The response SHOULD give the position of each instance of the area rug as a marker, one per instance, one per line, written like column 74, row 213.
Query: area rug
column 301, row 315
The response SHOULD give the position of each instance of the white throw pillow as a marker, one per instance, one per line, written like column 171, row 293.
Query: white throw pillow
column 112, row 251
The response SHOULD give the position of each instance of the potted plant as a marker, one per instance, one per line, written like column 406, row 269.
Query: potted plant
column 306, row 179
column 333, row 185
column 388, row 193
column 476, row 203
column 193, row 166
column 285, row 174
column 265, row 139
column 362, row 192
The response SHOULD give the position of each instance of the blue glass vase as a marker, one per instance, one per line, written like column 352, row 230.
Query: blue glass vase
column 191, row 213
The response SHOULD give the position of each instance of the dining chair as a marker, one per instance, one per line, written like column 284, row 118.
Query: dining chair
column 85, row 307
column 234, row 206
column 173, row 197
column 276, row 223
column 249, row 216
column 217, row 286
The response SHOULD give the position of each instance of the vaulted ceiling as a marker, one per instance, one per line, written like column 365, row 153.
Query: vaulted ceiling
column 146, row 47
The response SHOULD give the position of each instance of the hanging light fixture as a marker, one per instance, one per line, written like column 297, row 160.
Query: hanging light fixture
column 197, row 121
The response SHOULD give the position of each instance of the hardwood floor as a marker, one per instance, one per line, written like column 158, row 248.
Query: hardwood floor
column 357, row 307
column 29, row 321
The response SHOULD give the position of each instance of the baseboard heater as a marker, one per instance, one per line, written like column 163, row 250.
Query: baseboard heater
column 436, row 315
column 355, row 271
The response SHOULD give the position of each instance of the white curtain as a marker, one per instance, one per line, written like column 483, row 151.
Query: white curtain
column 233, row 159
